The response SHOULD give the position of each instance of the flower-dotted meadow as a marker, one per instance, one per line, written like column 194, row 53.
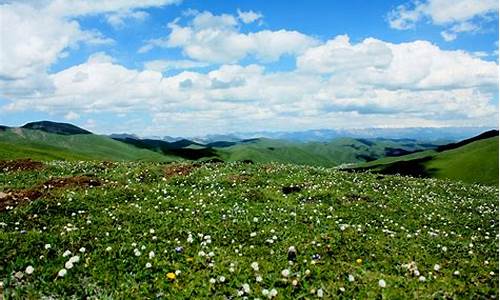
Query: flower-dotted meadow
column 246, row 231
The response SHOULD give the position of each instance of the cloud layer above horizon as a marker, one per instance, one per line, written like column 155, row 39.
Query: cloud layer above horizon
column 225, row 78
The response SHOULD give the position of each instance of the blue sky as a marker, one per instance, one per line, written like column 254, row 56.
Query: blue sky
column 169, row 67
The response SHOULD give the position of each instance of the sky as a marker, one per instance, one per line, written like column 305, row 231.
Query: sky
column 191, row 68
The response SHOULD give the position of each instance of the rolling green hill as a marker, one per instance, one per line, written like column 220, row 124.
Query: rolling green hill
column 41, row 145
column 473, row 162
column 336, row 152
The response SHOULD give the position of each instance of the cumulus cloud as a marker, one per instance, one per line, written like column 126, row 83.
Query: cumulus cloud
column 456, row 16
column 217, row 39
column 117, row 20
column 370, row 83
column 49, row 30
column 48, row 36
column 248, row 17
column 338, row 55
column 161, row 65
column 415, row 65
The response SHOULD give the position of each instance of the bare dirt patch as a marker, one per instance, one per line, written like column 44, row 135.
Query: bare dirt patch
column 81, row 181
column 239, row 178
column 180, row 170
column 20, row 165
column 10, row 199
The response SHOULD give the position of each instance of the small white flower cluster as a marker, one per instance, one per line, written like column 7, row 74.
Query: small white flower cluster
column 69, row 264
column 269, row 293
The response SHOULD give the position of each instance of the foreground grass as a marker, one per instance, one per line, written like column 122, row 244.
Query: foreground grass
column 202, row 234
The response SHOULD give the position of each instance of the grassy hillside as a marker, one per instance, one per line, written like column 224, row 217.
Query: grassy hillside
column 41, row 145
column 338, row 151
column 475, row 162
column 136, row 230
column 183, row 149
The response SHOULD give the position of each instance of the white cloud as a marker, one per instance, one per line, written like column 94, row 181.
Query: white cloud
column 71, row 116
column 457, row 16
column 248, row 17
column 217, row 39
column 117, row 20
column 415, row 65
column 35, row 34
column 339, row 55
column 408, row 84
column 451, row 33
column 90, row 7
column 47, row 38
column 161, row 65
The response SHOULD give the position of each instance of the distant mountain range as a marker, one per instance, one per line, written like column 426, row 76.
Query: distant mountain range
column 321, row 135
column 431, row 156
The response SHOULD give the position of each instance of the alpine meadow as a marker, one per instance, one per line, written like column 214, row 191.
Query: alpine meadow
column 187, row 149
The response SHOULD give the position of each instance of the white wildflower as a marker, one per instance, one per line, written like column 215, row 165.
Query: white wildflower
column 285, row 273
column 381, row 283
column 68, row 265
column 319, row 293
column 255, row 266
column 29, row 270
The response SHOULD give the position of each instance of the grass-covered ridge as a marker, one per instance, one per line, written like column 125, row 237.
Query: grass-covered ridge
column 37, row 144
column 150, row 230
column 475, row 162
column 326, row 154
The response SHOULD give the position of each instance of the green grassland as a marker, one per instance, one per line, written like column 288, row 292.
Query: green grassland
column 156, row 231
column 336, row 152
column 37, row 144
column 476, row 162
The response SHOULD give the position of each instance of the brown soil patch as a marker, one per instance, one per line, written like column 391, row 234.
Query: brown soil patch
column 180, row 170
column 239, row 178
column 19, row 165
column 14, row 198
column 82, row 181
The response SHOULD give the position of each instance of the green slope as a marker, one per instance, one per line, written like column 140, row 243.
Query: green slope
column 265, row 150
column 336, row 152
column 36, row 144
column 476, row 162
